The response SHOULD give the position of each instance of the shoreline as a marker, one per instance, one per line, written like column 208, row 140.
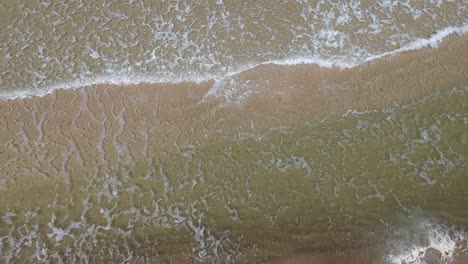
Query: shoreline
column 277, row 96
column 234, row 132
column 95, row 141
column 125, row 80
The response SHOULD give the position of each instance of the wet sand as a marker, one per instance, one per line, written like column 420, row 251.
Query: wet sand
column 105, row 126
column 97, row 130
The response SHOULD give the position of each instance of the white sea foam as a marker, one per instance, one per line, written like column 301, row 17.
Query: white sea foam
column 220, row 89
column 432, row 42
column 118, row 78
column 430, row 236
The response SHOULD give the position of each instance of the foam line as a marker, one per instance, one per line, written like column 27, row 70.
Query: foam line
column 432, row 42
column 126, row 79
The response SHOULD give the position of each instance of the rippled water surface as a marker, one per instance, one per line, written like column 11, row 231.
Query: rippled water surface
column 365, row 174
column 58, row 44
column 393, row 179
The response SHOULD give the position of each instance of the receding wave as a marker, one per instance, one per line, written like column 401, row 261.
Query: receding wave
column 131, row 79
column 233, row 132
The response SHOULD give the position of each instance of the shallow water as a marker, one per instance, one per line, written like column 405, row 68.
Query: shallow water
column 114, row 175
column 393, row 179
column 47, row 45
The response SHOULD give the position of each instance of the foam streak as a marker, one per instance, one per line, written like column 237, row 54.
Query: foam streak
column 126, row 79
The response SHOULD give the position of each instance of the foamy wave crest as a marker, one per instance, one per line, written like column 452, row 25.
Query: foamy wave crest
column 432, row 42
column 224, row 88
column 113, row 79
column 133, row 79
column 423, row 238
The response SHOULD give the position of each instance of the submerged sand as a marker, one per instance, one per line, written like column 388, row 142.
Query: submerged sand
column 72, row 134
column 104, row 126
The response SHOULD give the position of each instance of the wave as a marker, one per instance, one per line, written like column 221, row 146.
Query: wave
column 433, row 41
column 426, row 236
column 134, row 79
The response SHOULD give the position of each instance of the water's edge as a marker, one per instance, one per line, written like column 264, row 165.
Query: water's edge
column 125, row 79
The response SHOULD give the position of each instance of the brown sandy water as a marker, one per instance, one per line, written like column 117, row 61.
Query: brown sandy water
column 162, row 173
column 282, row 162
column 47, row 45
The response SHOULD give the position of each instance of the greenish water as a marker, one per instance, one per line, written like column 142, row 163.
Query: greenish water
column 353, row 181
